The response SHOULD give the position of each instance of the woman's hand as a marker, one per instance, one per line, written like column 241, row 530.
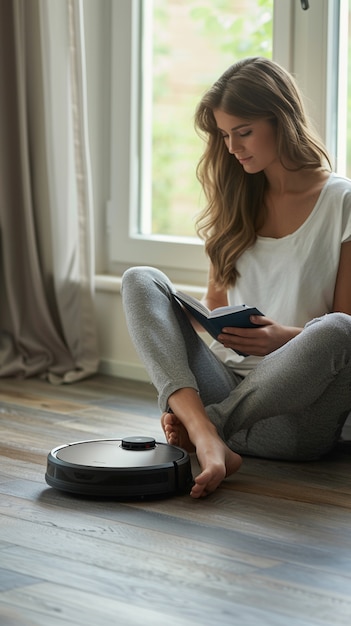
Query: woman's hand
column 259, row 341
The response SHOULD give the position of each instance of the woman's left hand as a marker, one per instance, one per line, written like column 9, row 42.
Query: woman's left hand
column 261, row 340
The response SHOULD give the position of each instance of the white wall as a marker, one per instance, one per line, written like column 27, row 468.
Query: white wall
column 118, row 357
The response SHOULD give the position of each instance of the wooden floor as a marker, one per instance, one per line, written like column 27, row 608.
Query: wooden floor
column 271, row 547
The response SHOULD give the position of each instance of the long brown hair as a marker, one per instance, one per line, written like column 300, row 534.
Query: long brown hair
column 252, row 89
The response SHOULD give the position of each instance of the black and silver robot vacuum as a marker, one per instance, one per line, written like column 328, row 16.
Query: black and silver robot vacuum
column 133, row 467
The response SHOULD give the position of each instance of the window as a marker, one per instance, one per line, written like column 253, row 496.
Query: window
column 185, row 48
column 151, row 213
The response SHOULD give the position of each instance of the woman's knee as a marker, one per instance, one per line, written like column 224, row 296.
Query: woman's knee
column 145, row 287
column 340, row 321
column 140, row 278
column 138, row 275
column 333, row 330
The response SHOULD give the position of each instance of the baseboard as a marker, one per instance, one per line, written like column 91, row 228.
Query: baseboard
column 119, row 369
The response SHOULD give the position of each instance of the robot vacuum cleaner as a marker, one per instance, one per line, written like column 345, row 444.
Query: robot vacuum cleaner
column 133, row 467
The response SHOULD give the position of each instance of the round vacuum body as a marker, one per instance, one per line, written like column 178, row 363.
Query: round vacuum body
column 133, row 467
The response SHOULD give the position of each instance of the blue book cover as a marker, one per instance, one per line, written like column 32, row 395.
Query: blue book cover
column 213, row 321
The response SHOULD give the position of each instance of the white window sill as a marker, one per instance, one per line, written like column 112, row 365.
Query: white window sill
column 112, row 284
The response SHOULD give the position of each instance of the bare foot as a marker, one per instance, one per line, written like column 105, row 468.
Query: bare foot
column 216, row 460
column 175, row 433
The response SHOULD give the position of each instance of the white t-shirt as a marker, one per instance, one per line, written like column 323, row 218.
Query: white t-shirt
column 292, row 279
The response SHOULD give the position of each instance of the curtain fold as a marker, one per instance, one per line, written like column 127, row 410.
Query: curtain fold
column 47, row 318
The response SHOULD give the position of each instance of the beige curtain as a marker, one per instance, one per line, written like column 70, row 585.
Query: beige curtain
column 47, row 322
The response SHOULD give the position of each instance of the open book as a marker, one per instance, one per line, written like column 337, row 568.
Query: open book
column 213, row 321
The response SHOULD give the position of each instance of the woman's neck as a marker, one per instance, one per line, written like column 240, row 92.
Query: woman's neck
column 289, row 201
column 281, row 181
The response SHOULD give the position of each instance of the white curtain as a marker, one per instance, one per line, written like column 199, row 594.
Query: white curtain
column 47, row 320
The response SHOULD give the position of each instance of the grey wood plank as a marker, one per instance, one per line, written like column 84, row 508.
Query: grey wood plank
column 271, row 546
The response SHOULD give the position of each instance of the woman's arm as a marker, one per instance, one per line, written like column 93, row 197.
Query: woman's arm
column 213, row 298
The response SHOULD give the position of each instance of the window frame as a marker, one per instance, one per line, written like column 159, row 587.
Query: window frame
column 298, row 35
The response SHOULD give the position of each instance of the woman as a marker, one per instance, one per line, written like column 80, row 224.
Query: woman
column 277, row 231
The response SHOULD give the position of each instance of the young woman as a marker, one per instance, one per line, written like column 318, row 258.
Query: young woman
column 277, row 231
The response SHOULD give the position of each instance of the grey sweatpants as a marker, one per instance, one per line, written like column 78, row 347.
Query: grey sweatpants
column 291, row 406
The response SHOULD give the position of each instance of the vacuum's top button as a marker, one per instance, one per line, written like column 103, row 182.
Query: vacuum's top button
column 138, row 443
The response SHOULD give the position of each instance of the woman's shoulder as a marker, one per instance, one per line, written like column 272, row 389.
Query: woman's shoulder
column 336, row 203
column 336, row 182
column 336, row 192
